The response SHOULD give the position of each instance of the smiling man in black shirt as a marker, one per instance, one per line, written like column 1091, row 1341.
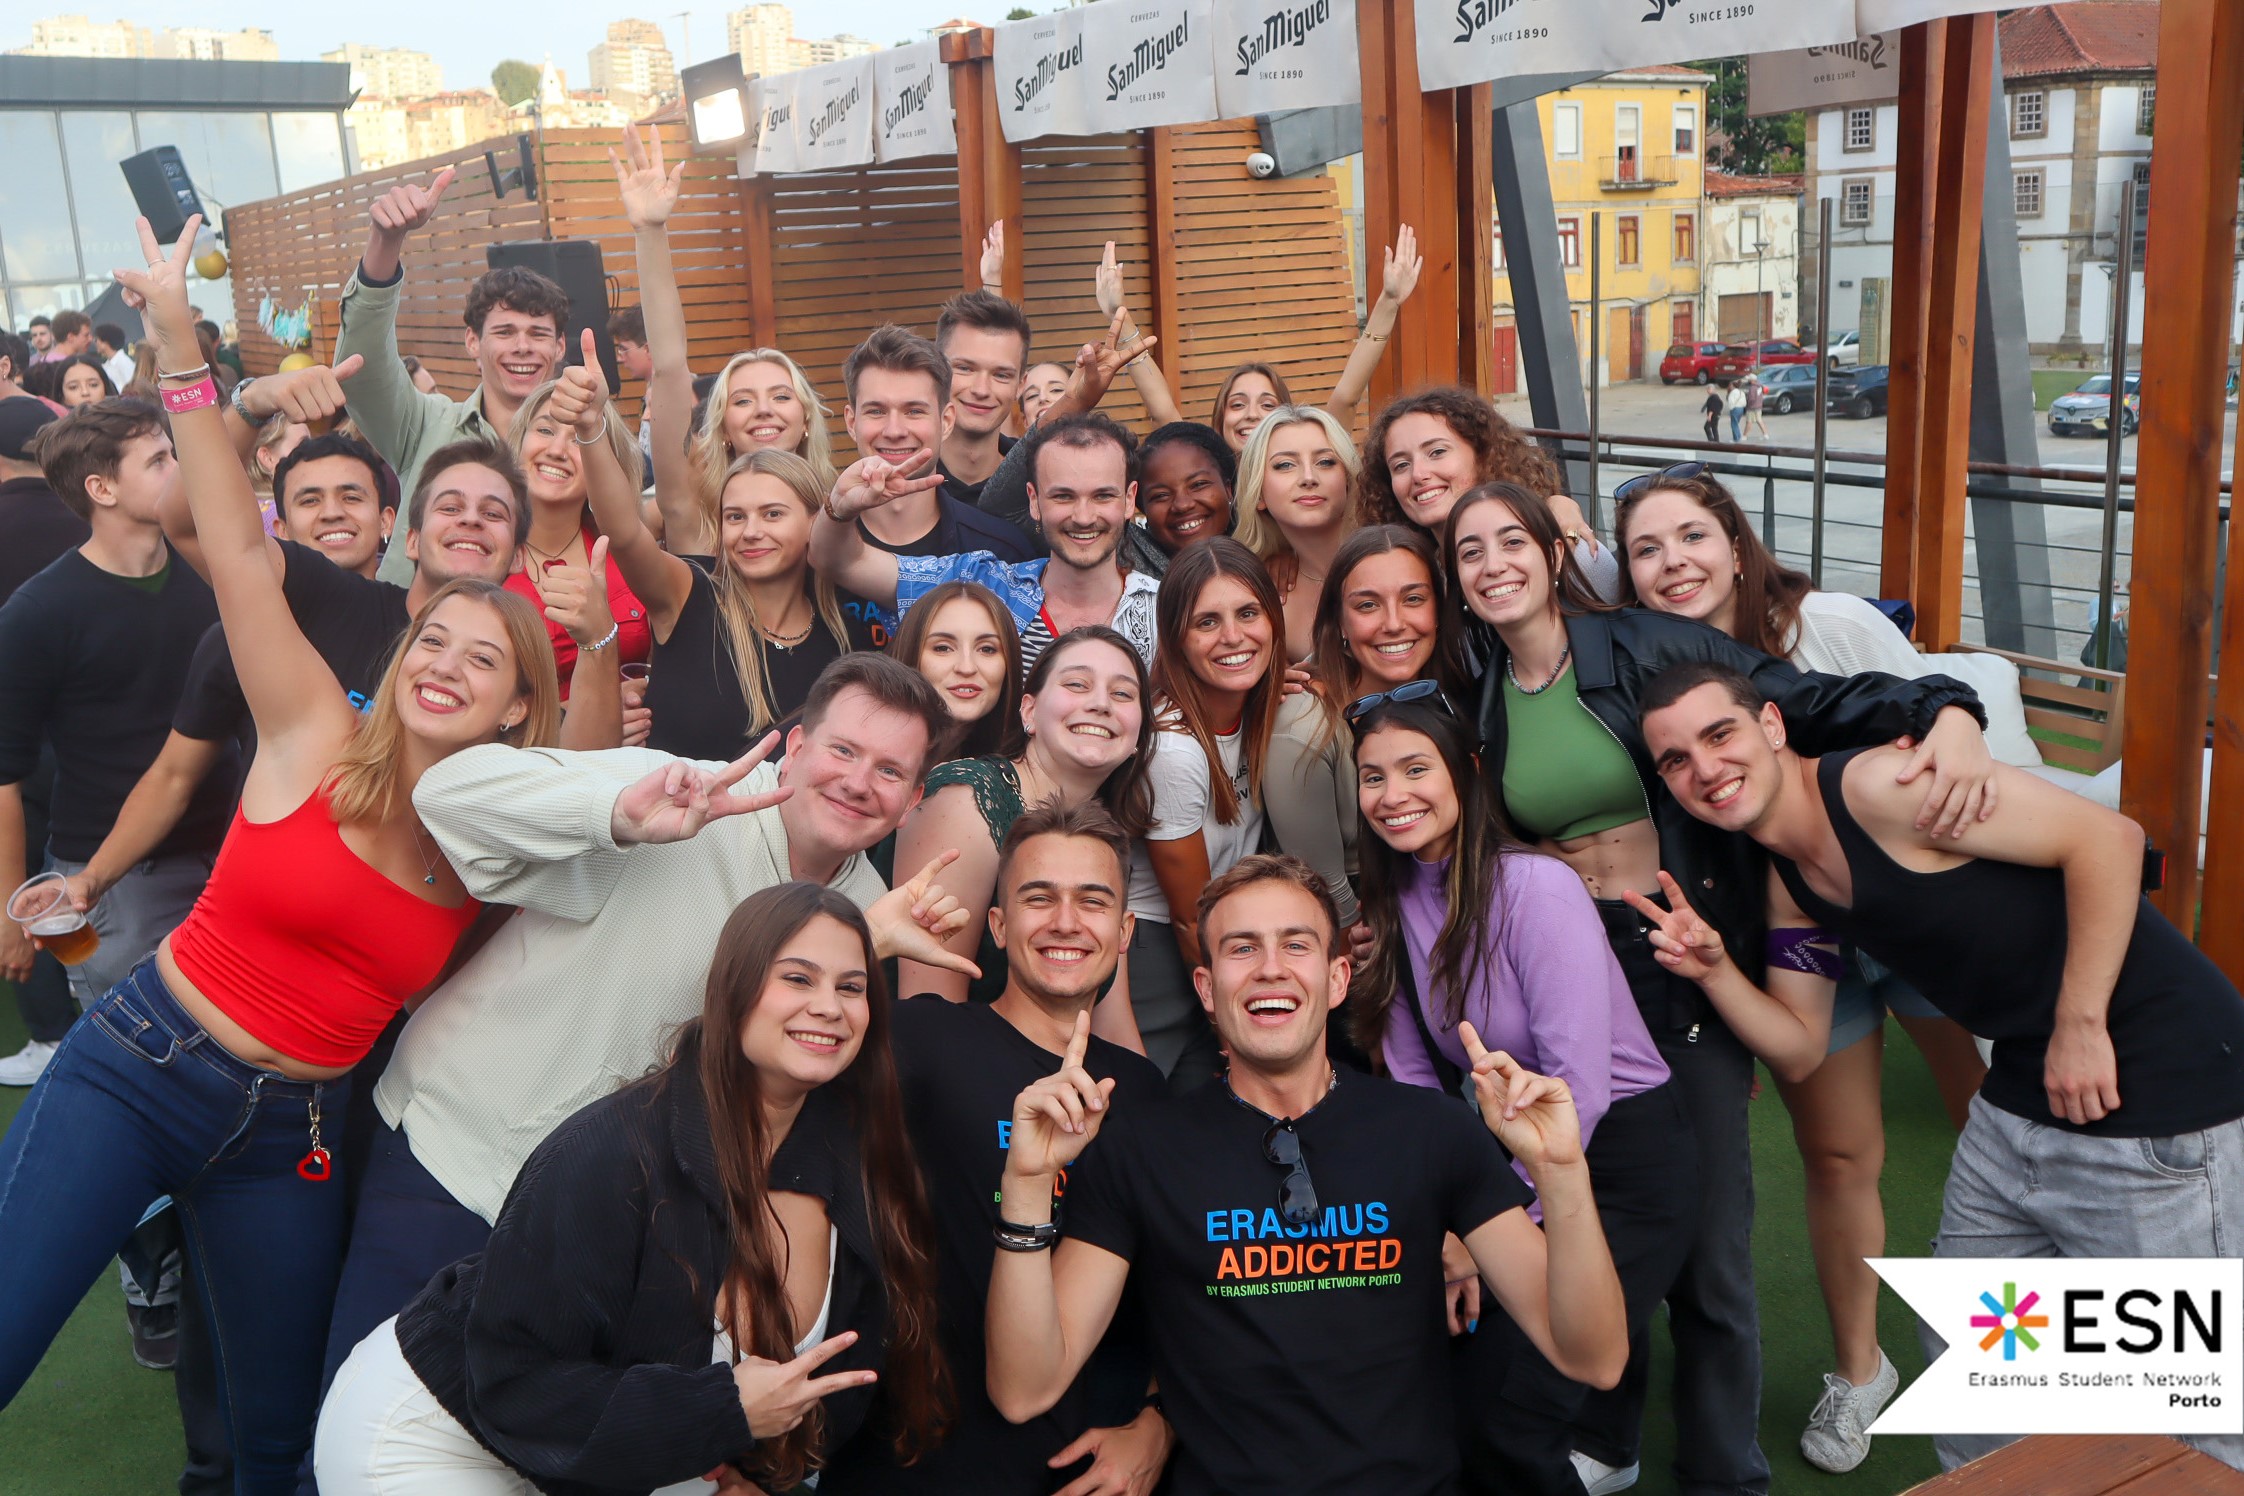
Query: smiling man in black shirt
column 1061, row 920
column 1284, row 1230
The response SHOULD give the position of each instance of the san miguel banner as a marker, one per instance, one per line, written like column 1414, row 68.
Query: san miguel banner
column 1463, row 42
column 1042, row 87
column 1148, row 63
column 834, row 115
column 1274, row 55
column 1864, row 71
column 912, row 94
column 772, row 136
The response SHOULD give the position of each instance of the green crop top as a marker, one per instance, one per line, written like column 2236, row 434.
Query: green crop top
column 1565, row 774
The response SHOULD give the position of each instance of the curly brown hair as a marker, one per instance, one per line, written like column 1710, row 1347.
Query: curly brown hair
column 1500, row 453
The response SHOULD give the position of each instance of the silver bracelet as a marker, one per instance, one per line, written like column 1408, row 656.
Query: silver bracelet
column 597, row 437
column 196, row 372
column 593, row 649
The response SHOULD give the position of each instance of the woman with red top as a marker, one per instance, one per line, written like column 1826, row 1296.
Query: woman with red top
column 557, row 453
column 207, row 1074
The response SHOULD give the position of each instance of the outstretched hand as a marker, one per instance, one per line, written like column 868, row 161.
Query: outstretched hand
column 1400, row 271
column 159, row 288
column 580, row 396
column 1532, row 1115
column 873, row 481
column 312, row 396
column 1681, row 941
column 993, row 258
column 1106, row 283
column 649, row 192
column 915, row 918
column 1097, row 364
column 1963, row 773
column 1055, row 1119
column 676, row 800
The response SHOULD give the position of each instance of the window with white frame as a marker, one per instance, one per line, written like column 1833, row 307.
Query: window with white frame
column 1862, row 130
column 2026, row 193
column 1854, row 201
column 1570, row 243
column 1566, row 131
column 2146, row 108
column 2029, row 113
column 1498, row 245
column 1686, row 129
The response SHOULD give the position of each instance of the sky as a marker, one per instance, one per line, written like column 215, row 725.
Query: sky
column 467, row 40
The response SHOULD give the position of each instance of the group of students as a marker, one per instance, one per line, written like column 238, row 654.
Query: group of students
column 690, row 970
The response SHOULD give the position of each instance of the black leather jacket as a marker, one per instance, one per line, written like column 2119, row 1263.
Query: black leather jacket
column 1617, row 654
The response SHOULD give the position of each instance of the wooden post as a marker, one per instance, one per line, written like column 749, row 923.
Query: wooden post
column 760, row 252
column 1476, row 237
column 1161, row 253
column 1959, row 185
column 989, row 165
column 1923, row 53
column 2188, row 281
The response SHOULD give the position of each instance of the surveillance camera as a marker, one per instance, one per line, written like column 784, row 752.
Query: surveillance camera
column 1262, row 164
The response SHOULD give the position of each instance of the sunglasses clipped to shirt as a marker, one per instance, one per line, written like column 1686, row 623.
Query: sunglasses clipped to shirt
column 1417, row 690
column 1297, row 1197
column 1682, row 472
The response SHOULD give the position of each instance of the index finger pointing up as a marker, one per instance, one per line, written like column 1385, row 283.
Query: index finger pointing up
column 1078, row 1042
column 1474, row 1049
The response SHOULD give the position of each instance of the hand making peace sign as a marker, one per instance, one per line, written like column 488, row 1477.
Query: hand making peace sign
column 676, row 800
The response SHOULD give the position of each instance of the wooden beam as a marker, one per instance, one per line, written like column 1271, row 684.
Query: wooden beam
column 2188, row 277
column 1476, row 237
column 1161, row 243
column 1923, row 53
column 1959, row 185
column 989, row 165
column 760, row 252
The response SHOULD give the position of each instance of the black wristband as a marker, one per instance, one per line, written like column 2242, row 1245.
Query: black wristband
column 1012, row 1238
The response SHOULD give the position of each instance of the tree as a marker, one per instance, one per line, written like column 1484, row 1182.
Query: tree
column 514, row 81
column 1739, row 142
column 1019, row 13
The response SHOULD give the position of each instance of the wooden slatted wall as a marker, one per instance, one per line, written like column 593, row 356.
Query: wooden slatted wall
column 1076, row 195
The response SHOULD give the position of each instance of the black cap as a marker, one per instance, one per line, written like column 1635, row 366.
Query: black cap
column 21, row 418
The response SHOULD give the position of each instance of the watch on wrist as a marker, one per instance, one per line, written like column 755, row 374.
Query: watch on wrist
column 240, row 409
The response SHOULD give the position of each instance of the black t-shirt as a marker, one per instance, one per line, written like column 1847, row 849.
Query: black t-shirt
column 1298, row 1360
column 92, row 663
column 354, row 623
column 694, row 691
column 36, row 526
column 962, row 1066
column 961, row 491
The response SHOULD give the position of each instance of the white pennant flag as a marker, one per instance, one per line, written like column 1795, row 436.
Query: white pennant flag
column 1462, row 42
column 912, row 90
column 1149, row 63
column 1274, row 55
column 1041, row 85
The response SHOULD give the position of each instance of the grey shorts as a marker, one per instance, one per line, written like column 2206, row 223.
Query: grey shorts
column 1867, row 992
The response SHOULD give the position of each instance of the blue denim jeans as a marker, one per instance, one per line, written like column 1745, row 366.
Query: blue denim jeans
column 141, row 1102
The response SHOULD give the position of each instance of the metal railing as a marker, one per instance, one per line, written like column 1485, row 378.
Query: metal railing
column 1620, row 173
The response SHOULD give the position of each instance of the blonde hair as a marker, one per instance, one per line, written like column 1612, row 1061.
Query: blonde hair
column 744, row 631
column 363, row 784
column 713, row 461
column 265, row 456
column 1255, row 529
column 620, row 440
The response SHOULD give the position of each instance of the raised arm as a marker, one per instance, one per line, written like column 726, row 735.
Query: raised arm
column 1398, row 279
column 384, row 403
column 302, row 716
column 650, row 193
column 839, row 551
column 1145, row 374
column 312, row 396
column 661, row 580
column 993, row 258
column 1096, row 364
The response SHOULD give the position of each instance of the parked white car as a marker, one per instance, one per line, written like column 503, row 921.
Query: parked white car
column 1843, row 351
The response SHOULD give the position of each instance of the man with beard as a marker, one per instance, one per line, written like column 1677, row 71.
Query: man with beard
column 1061, row 919
column 1082, row 492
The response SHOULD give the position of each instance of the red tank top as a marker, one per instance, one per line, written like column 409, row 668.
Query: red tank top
column 303, row 944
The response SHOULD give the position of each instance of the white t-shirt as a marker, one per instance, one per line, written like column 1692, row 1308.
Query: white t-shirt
column 1179, row 775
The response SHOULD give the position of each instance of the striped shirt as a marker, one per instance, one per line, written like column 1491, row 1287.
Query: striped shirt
column 1020, row 585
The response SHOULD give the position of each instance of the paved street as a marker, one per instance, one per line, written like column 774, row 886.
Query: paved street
column 1853, row 514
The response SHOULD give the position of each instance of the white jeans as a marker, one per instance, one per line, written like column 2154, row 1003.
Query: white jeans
column 383, row 1433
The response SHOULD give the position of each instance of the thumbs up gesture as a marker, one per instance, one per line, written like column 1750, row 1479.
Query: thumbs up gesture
column 576, row 597
column 1532, row 1115
column 580, row 399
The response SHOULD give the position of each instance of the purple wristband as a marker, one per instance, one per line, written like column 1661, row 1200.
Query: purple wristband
column 1796, row 949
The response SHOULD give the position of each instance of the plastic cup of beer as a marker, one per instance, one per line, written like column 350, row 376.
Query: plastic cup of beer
column 42, row 906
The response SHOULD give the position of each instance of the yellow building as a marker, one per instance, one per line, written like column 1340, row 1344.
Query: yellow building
column 1629, row 148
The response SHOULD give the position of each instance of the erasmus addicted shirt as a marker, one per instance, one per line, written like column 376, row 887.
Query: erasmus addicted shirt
column 1306, row 1360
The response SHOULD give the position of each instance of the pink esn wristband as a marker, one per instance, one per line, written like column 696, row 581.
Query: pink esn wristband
column 201, row 395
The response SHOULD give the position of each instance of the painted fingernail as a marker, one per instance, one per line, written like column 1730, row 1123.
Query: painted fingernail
column 1471, row 1325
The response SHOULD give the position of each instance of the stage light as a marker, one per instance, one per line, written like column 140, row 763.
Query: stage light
column 716, row 103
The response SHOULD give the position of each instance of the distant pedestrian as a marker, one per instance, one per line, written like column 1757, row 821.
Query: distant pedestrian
column 1735, row 405
column 1712, row 410
column 1755, row 395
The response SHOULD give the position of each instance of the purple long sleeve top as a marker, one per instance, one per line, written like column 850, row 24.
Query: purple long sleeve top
column 1550, row 994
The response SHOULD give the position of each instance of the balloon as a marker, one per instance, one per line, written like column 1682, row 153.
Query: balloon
column 211, row 264
column 295, row 361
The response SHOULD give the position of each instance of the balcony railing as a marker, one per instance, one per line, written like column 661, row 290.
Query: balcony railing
column 1628, row 171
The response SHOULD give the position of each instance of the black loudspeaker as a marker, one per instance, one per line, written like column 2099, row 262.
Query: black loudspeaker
column 576, row 267
column 162, row 192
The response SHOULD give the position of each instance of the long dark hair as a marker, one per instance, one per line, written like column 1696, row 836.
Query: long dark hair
column 1500, row 453
column 1473, row 889
column 1339, row 680
column 1767, row 611
column 1127, row 792
column 998, row 730
column 1533, row 511
column 1179, row 688
column 753, row 1300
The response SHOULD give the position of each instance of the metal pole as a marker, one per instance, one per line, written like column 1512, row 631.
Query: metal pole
column 1597, row 337
column 2115, row 423
column 1822, row 380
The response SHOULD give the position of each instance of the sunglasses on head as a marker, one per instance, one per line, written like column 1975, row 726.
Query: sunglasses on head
column 1417, row 690
column 1297, row 1197
column 1681, row 472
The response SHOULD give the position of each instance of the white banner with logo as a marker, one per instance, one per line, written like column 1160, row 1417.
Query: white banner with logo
column 912, row 92
column 1864, row 71
column 834, row 115
column 2058, row 1345
column 1462, row 42
column 1148, row 63
column 1273, row 55
column 1041, row 84
column 770, row 146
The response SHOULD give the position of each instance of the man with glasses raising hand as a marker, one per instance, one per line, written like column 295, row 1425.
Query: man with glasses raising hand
column 1286, row 1228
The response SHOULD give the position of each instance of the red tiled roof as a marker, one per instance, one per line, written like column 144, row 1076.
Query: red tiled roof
column 1733, row 184
column 2083, row 36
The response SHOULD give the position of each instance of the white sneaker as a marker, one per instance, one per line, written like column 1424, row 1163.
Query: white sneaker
column 1601, row 1479
column 23, row 1067
column 1836, row 1438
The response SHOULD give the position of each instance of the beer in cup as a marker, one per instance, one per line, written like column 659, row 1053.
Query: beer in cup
column 42, row 906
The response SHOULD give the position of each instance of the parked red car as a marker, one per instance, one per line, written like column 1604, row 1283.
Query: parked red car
column 1737, row 359
column 1690, row 361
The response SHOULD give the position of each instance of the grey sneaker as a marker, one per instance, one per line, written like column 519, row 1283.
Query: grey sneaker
column 1836, row 1438
column 1601, row 1479
column 24, row 1066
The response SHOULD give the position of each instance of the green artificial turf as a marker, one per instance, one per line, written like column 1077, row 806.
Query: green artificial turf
column 91, row 1423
